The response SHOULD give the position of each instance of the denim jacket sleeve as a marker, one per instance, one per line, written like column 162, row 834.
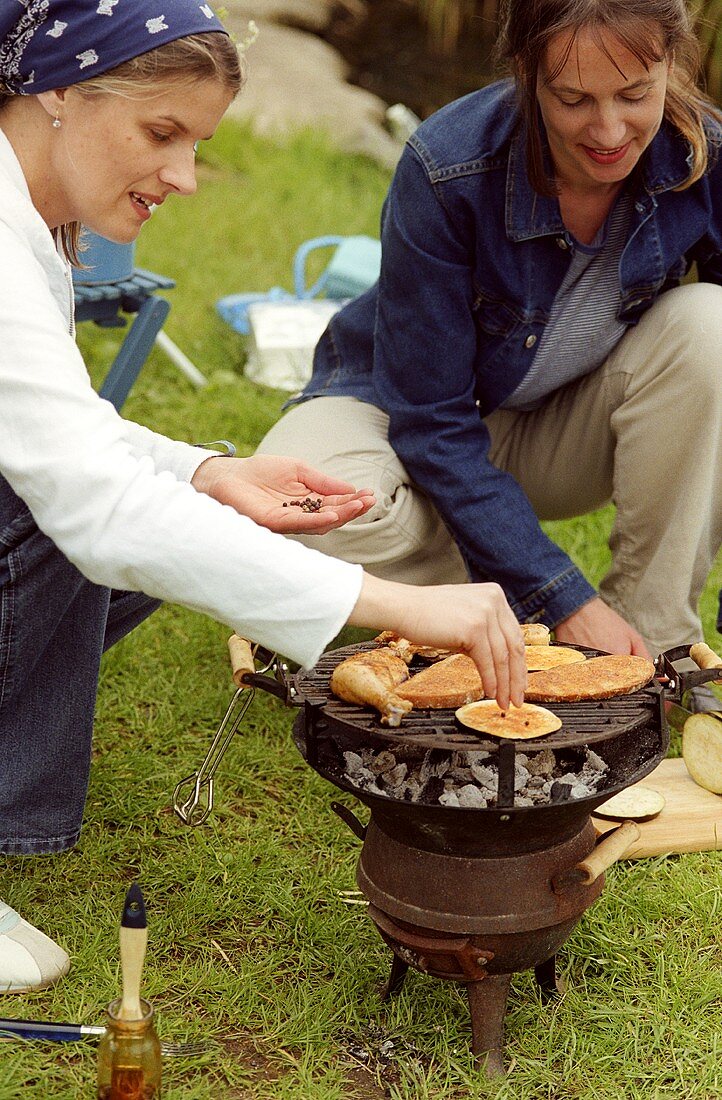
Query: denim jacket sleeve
column 425, row 345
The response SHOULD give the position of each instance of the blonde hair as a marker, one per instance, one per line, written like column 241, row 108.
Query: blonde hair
column 652, row 31
column 189, row 60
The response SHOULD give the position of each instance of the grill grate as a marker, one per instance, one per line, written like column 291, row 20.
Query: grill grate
column 586, row 723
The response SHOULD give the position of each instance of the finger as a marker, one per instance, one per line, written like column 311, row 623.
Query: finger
column 517, row 662
column 346, row 512
column 500, row 656
column 318, row 482
column 296, row 521
column 323, row 521
column 484, row 661
column 365, row 497
column 303, row 523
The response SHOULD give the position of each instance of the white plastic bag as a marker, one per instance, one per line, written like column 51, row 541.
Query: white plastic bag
column 283, row 336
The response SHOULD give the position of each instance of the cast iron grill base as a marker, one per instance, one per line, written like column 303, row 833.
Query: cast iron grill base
column 474, row 894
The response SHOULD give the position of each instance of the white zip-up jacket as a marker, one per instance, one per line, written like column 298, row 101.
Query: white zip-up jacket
column 115, row 497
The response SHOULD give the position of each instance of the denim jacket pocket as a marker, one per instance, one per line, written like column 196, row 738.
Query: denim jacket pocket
column 493, row 316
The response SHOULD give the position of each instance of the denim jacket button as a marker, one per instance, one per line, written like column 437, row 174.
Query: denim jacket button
column 530, row 341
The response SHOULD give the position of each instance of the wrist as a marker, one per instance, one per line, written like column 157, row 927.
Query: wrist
column 378, row 603
column 582, row 611
column 207, row 473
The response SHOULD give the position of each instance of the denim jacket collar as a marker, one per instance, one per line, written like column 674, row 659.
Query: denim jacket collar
column 666, row 164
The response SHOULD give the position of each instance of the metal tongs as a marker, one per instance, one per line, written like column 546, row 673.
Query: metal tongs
column 193, row 796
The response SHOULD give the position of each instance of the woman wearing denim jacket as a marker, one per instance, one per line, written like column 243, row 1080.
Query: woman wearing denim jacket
column 528, row 352
column 101, row 106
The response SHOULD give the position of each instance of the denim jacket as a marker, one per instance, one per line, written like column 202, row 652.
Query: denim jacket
column 472, row 260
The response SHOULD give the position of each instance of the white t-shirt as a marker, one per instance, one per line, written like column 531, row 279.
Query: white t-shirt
column 114, row 496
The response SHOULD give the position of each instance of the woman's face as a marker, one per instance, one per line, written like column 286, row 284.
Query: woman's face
column 600, row 114
column 112, row 157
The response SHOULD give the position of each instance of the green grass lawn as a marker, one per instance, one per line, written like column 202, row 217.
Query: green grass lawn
column 250, row 941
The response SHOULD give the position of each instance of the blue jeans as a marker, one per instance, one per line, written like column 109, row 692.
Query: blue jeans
column 54, row 627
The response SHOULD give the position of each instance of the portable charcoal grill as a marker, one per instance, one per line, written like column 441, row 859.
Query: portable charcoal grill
column 474, row 894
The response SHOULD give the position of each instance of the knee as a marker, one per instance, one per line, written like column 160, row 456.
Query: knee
column 693, row 322
column 694, row 312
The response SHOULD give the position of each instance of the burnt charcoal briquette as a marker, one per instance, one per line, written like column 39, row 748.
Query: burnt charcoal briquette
column 432, row 790
column 560, row 792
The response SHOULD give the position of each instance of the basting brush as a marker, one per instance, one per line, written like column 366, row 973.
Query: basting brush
column 133, row 942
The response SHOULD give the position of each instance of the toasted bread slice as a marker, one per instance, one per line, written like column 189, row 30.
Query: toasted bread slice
column 597, row 678
column 535, row 634
column 449, row 683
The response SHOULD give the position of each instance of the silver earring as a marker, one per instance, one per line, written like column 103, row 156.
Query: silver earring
column 57, row 123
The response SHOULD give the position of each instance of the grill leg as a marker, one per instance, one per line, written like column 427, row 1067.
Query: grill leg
column 550, row 985
column 487, row 1003
column 396, row 978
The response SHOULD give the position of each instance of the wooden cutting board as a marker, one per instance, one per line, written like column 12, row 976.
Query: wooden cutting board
column 691, row 820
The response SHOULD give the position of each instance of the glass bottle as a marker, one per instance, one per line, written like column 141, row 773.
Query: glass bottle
column 129, row 1060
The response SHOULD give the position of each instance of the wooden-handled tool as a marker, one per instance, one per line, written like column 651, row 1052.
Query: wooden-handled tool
column 241, row 656
column 193, row 796
column 705, row 657
column 133, row 942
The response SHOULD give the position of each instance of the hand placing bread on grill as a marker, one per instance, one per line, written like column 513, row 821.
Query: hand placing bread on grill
column 474, row 619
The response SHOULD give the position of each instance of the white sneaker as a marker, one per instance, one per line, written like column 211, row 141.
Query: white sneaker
column 28, row 958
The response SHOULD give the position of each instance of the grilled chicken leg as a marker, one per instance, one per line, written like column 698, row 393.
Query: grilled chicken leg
column 369, row 679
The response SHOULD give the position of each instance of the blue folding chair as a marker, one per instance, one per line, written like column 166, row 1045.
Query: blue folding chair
column 352, row 269
column 109, row 285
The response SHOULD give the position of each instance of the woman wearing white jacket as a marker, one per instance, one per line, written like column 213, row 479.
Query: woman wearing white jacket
column 101, row 107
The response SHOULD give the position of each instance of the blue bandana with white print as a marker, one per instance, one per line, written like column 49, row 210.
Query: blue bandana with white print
column 47, row 44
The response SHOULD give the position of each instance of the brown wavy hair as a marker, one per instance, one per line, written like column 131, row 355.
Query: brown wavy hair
column 651, row 30
column 197, row 57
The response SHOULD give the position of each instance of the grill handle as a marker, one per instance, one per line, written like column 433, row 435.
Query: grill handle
column 607, row 852
column 705, row 657
column 243, row 654
column 677, row 683
column 349, row 818
column 242, row 663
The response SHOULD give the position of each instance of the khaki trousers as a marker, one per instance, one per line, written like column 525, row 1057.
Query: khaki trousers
column 644, row 431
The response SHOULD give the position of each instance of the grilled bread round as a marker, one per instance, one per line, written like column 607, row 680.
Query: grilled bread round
column 540, row 657
column 515, row 723
column 597, row 678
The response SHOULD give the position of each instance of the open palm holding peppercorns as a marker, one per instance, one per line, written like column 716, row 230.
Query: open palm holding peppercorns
column 281, row 493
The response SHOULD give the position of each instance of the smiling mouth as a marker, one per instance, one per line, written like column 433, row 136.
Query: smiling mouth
column 607, row 154
column 147, row 203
